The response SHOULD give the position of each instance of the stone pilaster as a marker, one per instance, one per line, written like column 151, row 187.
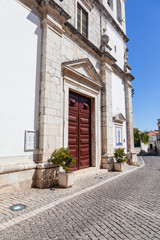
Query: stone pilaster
column 51, row 111
column 107, row 122
column 129, row 121
column 51, row 95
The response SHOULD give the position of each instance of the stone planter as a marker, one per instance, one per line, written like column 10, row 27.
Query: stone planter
column 66, row 179
column 119, row 167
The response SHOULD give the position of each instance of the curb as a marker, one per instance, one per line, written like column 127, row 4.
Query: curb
column 52, row 204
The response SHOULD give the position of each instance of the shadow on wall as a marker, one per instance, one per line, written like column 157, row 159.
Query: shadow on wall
column 38, row 32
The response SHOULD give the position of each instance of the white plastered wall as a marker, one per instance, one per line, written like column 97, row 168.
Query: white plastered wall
column 115, row 40
column 118, row 104
column 20, row 75
column 113, row 12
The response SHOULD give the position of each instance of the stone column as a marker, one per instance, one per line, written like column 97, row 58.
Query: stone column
column 51, row 100
column 107, row 118
column 129, row 121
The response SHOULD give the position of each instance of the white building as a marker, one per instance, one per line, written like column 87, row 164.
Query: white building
column 152, row 139
column 65, row 81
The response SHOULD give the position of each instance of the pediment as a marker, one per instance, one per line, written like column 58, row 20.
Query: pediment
column 119, row 118
column 84, row 71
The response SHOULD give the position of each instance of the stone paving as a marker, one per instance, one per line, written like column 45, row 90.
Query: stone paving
column 36, row 198
column 124, row 208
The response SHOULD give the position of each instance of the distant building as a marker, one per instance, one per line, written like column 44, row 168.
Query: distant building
column 158, row 137
column 65, row 81
column 152, row 139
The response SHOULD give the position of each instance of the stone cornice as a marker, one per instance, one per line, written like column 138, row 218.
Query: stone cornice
column 82, row 38
column 55, row 26
column 108, row 56
column 101, row 7
column 119, row 70
column 55, row 7
column 129, row 76
column 89, row 44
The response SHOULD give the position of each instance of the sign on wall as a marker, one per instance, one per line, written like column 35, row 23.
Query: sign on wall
column 30, row 140
column 118, row 136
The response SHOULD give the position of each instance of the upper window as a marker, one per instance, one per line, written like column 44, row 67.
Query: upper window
column 119, row 11
column 110, row 3
column 82, row 21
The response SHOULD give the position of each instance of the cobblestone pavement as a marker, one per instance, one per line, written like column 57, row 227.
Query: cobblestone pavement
column 124, row 208
column 151, row 153
column 35, row 198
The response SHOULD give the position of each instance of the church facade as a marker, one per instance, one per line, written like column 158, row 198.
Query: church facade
column 65, row 82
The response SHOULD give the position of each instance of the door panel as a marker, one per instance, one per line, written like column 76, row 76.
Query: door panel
column 79, row 130
column 73, row 103
column 73, row 137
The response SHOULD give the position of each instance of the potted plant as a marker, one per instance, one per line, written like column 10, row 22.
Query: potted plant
column 120, row 158
column 61, row 157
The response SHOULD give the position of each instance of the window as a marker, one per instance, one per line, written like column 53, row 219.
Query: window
column 110, row 3
column 82, row 21
column 119, row 11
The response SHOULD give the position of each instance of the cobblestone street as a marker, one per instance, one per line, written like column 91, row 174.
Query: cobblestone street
column 125, row 208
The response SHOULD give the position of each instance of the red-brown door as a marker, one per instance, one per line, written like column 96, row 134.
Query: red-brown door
column 79, row 132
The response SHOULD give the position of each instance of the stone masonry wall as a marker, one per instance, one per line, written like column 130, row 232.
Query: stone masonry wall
column 72, row 50
column 51, row 101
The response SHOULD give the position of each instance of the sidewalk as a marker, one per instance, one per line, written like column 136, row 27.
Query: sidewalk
column 39, row 200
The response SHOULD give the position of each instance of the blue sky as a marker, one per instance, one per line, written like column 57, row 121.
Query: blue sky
column 143, row 30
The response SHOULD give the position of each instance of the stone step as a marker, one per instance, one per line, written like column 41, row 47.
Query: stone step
column 82, row 173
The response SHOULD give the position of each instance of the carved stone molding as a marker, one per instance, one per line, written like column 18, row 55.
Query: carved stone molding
column 118, row 118
column 84, row 71
column 104, row 43
column 122, row 73
column 48, row 5
column 88, row 3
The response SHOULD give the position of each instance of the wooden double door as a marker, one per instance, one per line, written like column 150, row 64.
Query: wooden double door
column 79, row 132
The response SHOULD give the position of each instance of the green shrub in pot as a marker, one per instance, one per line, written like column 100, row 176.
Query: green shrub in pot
column 61, row 157
column 120, row 156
